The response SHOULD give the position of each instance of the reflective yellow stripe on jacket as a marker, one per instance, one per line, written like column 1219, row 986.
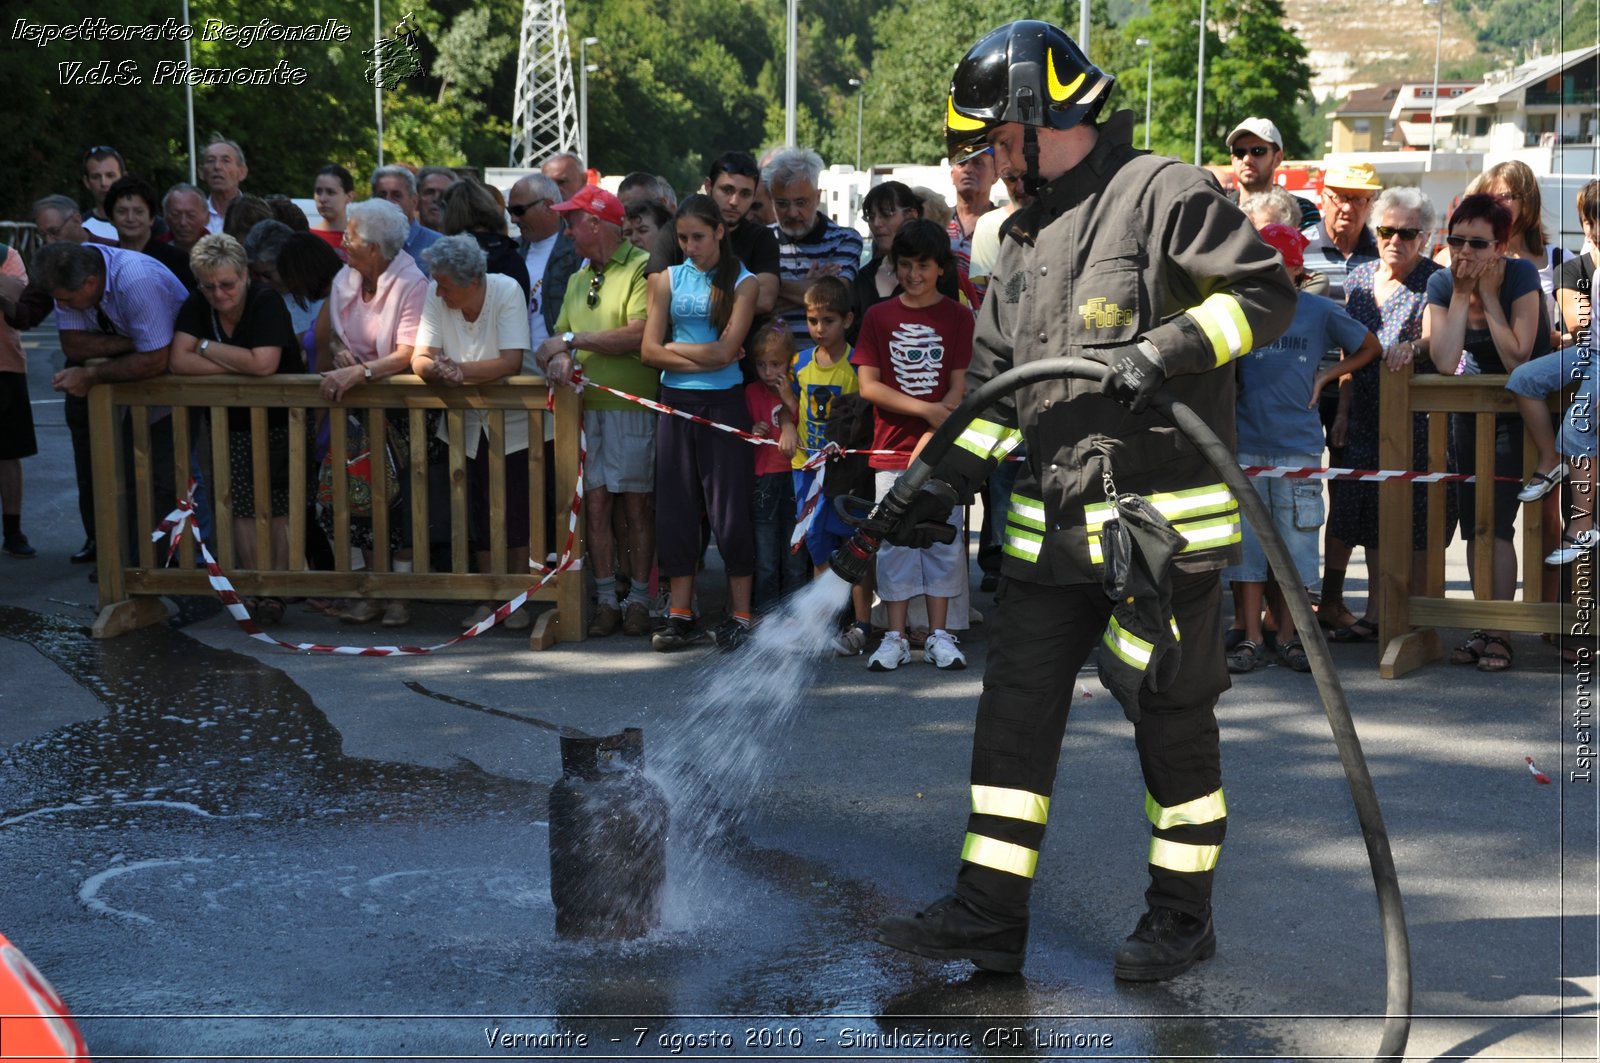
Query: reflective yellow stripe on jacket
column 989, row 440
column 1207, row 517
column 1025, row 528
column 1130, row 647
column 1222, row 320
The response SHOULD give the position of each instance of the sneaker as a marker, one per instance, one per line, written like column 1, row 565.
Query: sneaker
column 1542, row 483
column 519, row 620
column 1166, row 943
column 941, row 651
column 605, row 620
column 397, row 613
column 730, row 635
column 951, row 929
column 892, row 652
column 852, row 642
column 1573, row 547
column 678, row 633
column 636, row 618
column 477, row 616
column 17, row 546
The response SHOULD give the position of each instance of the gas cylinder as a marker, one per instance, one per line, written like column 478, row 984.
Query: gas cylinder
column 608, row 839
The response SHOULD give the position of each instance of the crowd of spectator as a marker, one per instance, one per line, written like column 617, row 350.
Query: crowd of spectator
column 745, row 304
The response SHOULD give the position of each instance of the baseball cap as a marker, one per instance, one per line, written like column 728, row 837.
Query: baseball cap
column 592, row 199
column 1290, row 243
column 1261, row 127
column 1358, row 176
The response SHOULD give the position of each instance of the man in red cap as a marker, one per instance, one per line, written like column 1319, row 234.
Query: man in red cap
column 599, row 327
column 1279, row 384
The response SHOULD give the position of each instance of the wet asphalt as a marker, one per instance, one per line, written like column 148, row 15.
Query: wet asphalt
column 214, row 848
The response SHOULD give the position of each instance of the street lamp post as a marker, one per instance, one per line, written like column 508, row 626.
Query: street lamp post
column 861, row 95
column 790, row 77
column 1200, row 85
column 1433, row 115
column 1149, row 83
column 583, row 96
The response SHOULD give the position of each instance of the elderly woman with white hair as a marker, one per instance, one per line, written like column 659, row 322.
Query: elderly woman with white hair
column 474, row 331
column 366, row 331
column 1389, row 296
column 230, row 325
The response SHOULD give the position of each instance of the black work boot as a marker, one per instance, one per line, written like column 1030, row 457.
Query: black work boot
column 949, row 929
column 1166, row 943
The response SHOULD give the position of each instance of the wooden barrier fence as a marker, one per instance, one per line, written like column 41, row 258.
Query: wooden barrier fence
column 1482, row 396
column 130, row 586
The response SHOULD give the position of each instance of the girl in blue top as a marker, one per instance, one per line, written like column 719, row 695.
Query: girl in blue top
column 708, row 301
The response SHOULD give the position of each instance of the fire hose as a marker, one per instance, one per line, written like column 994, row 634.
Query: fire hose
column 851, row 559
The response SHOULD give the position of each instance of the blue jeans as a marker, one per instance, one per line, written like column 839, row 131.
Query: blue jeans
column 1541, row 377
column 772, row 512
column 1297, row 513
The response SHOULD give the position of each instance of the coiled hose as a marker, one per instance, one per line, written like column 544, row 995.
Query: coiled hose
column 1396, row 947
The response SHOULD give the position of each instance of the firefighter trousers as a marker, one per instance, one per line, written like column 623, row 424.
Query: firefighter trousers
column 1041, row 637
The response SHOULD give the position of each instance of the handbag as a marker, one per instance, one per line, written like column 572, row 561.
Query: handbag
column 358, row 473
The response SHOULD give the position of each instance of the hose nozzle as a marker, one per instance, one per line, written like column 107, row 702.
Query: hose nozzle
column 873, row 522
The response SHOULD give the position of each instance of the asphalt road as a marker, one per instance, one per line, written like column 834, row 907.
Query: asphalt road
column 214, row 848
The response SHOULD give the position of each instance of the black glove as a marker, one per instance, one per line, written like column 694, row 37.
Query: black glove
column 927, row 519
column 1133, row 374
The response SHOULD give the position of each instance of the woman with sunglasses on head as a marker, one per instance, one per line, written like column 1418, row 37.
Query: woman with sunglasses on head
column 886, row 209
column 1515, row 185
column 1486, row 314
column 1387, row 296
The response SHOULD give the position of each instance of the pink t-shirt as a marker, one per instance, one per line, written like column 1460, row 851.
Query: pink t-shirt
column 914, row 351
column 375, row 327
column 764, row 409
column 12, row 360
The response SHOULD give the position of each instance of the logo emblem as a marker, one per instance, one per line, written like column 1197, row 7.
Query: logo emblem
column 1097, row 313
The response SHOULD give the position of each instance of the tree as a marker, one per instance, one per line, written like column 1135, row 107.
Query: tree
column 1255, row 66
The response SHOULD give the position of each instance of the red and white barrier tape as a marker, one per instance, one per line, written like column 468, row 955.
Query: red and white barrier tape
column 181, row 519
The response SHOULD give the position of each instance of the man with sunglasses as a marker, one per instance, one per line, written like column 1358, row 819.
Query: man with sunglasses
column 1341, row 241
column 546, row 250
column 1257, row 150
column 600, row 327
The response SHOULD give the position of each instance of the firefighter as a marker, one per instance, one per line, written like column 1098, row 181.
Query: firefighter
column 1140, row 264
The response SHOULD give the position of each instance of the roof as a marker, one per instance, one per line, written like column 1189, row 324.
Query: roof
column 1535, row 71
column 1418, row 95
column 1376, row 100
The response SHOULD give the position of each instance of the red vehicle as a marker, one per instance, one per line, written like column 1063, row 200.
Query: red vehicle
column 34, row 1020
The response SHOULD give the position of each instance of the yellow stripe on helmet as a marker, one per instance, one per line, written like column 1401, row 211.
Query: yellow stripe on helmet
column 954, row 119
column 1059, row 93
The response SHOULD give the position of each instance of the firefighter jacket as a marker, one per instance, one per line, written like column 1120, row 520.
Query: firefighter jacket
column 1123, row 247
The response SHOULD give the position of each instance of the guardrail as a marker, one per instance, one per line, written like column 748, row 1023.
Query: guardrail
column 1483, row 396
column 129, row 586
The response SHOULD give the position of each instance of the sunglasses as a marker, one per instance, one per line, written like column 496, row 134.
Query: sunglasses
column 517, row 210
column 593, row 298
column 1477, row 243
column 1385, row 232
column 1255, row 152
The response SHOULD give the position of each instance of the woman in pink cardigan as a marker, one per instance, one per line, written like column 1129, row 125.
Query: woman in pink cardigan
column 368, row 326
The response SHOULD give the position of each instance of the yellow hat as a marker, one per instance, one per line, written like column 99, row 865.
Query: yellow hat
column 1355, row 176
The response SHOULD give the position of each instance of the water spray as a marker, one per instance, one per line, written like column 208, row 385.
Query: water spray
column 850, row 562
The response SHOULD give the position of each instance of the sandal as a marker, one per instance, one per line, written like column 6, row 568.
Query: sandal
column 1363, row 630
column 269, row 610
column 1494, row 662
column 1467, row 653
column 1332, row 623
column 1293, row 654
column 1243, row 657
column 1542, row 483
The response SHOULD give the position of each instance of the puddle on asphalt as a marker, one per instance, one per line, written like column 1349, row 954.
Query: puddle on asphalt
column 205, row 852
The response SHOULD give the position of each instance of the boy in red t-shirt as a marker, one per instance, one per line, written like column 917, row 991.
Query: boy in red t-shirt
column 773, row 406
column 912, row 357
